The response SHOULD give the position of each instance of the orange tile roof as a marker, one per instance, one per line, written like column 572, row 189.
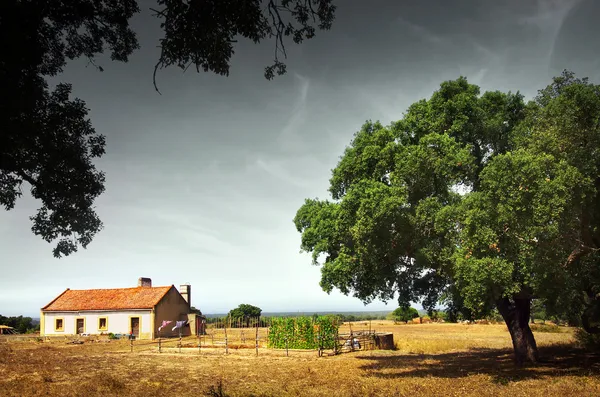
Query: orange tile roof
column 107, row 299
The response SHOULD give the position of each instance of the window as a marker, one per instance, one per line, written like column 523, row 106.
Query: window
column 58, row 324
column 102, row 323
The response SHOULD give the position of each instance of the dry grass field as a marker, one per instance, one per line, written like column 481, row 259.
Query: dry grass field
column 431, row 359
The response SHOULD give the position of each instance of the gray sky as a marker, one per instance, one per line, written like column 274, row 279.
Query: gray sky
column 203, row 182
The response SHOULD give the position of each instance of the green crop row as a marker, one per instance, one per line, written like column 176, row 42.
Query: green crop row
column 304, row 332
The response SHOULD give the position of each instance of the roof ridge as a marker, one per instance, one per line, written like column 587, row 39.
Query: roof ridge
column 106, row 289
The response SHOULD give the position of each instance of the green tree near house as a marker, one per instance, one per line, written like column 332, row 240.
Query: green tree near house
column 245, row 313
column 477, row 201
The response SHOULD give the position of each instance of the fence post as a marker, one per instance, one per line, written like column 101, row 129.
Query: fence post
column 226, row 342
column 159, row 345
column 131, row 343
column 337, row 340
column 256, row 339
column 287, row 353
column 179, row 340
column 318, row 344
column 351, row 337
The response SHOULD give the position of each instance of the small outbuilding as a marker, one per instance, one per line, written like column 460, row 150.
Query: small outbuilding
column 137, row 311
column 5, row 329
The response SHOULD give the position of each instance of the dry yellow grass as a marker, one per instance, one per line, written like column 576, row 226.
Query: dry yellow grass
column 433, row 359
column 435, row 338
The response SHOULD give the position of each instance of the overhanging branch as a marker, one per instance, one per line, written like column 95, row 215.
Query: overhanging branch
column 579, row 253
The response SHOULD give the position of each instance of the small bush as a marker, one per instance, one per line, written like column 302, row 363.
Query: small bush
column 586, row 340
column 112, row 336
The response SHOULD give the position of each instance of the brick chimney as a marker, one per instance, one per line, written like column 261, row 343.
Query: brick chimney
column 144, row 282
column 186, row 291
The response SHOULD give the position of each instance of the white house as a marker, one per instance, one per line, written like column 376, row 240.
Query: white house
column 138, row 311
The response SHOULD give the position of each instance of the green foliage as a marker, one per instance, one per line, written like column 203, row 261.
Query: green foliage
column 21, row 325
column 392, row 227
column 538, row 310
column 514, row 227
column 526, row 224
column 304, row 332
column 438, row 315
column 244, row 313
column 359, row 317
column 404, row 314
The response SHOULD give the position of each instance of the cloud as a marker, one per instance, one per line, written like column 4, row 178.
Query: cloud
column 421, row 31
column 278, row 170
column 548, row 20
column 289, row 139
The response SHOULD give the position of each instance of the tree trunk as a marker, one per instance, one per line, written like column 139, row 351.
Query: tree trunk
column 587, row 318
column 516, row 316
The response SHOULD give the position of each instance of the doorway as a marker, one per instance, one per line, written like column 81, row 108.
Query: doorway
column 80, row 325
column 135, row 326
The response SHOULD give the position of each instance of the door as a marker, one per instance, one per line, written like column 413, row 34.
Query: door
column 79, row 326
column 135, row 326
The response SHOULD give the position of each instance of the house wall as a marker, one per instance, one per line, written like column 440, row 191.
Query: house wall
column 118, row 322
column 174, row 308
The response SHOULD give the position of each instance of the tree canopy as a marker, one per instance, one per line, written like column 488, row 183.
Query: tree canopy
column 20, row 324
column 46, row 137
column 473, row 200
column 404, row 314
column 245, row 311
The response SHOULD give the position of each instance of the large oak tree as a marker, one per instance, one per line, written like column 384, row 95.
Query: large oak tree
column 475, row 200
column 46, row 137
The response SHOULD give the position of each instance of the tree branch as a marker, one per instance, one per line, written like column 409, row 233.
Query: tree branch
column 27, row 178
column 154, row 76
column 579, row 253
column 159, row 13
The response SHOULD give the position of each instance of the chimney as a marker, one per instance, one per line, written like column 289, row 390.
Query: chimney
column 144, row 282
column 186, row 291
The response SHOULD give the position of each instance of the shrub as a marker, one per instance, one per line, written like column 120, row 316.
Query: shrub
column 404, row 314
column 586, row 340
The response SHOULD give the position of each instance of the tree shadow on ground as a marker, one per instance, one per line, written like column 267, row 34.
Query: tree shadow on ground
column 555, row 361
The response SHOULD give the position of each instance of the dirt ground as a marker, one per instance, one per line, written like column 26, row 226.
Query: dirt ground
column 431, row 359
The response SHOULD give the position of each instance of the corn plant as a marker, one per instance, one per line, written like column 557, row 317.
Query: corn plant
column 303, row 332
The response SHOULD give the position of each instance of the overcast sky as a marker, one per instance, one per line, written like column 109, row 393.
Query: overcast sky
column 203, row 182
